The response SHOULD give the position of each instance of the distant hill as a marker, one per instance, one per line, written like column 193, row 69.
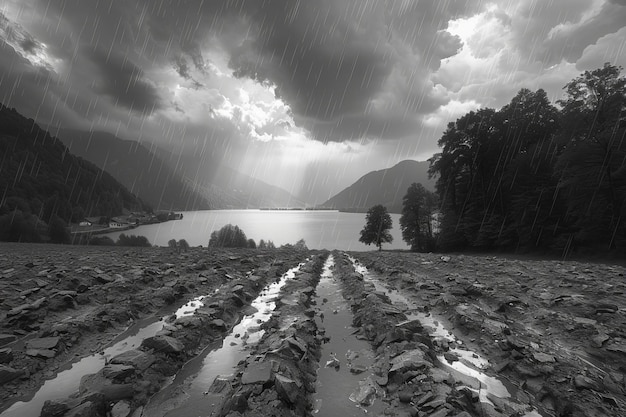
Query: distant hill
column 40, row 178
column 137, row 167
column 225, row 187
column 386, row 187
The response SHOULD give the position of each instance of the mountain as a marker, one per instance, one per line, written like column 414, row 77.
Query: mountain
column 41, row 180
column 225, row 187
column 137, row 167
column 386, row 187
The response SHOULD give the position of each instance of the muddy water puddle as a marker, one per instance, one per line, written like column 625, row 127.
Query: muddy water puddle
column 469, row 367
column 345, row 384
column 67, row 381
column 187, row 395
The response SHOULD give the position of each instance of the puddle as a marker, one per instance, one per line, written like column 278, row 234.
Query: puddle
column 345, row 386
column 67, row 381
column 468, row 369
column 186, row 395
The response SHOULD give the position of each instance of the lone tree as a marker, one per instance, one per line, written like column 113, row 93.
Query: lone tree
column 417, row 209
column 377, row 225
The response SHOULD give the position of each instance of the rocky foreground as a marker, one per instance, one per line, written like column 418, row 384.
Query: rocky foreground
column 553, row 333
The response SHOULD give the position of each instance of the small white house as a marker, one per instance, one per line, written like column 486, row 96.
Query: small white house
column 118, row 225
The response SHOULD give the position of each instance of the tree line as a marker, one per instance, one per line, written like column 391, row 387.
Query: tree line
column 531, row 176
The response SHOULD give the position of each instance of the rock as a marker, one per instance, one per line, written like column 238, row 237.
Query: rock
column 221, row 385
column 414, row 326
column 103, row 278
column 42, row 353
column 120, row 409
column 366, row 393
column 98, row 384
column 543, row 357
column 86, row 409
column 257, row 372
column 61, row 302
column 583, row 382
column 617, row 347
column 515, row 343
column 164, row 344
column 501, row 366
column 6, row 355
column 599, row 340
column 439, row 376
column 116, row 371
column 135, row 358
column 43, row 343
column 218, row 323
column 606, row 308
column 451, row 356
column 333, row 362
column 286, row 388
column 425, row 398
column 405, row 395
column 408, row 361
column 32, row 306
column 613, row 385
column 7, row 338
column 54, row 408
column 534, row 385
column 8, row 374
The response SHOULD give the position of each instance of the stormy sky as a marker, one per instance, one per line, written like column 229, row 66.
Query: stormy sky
column 308, row 95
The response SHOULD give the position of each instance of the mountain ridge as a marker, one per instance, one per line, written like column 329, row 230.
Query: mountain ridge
column 386, row 186
column 136, row 166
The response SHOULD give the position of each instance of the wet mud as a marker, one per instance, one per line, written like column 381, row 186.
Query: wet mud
column 149, row 332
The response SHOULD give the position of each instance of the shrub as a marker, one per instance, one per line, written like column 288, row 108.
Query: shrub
column 57, row 230
column 228, row 236
column 132, row 240
column 18, row 226
column 183, row 245
column 101, row 241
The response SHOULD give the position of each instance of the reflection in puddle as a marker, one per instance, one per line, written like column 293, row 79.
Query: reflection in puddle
column 345, row 383
column 468, row 368
column 67, row 382
column 216, row 362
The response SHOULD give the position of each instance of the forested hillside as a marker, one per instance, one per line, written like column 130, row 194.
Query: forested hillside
column 42, row 183
column 533, row 175
column 137, row 167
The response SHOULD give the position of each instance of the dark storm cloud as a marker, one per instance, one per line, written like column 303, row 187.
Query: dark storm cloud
column 346, row 68
column 332, row 60
column 552, row 31
column 33, row 91
column 124, row 82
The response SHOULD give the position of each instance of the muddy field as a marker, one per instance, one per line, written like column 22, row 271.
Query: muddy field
column 148, row 332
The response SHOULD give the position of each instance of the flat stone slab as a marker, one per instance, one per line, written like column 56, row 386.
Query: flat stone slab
column 7, row 373
column 43, row 343
column 7, row 338
column 42, row 353
column 136, row 358
column 256, row 373
column 161, row 343
column 410, row 360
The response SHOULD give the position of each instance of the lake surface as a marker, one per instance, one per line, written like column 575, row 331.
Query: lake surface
column 319, row 229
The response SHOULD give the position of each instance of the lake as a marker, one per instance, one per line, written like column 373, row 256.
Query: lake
column 319, row 229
